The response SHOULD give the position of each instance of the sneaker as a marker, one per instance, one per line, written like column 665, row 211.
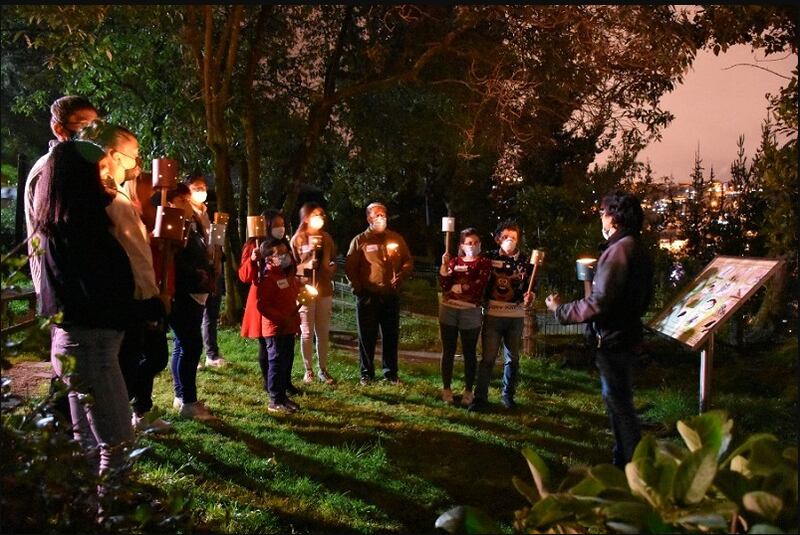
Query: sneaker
column 148, row 423
column 508, row 402
column 467, row 397
column 291, row 404
column 364, row 381
column 308, row 378
column 447, row 396
column 278, row 408
column 215, row 363
column 325, row 377
column 291, row 390
column 477, row 405
column 196, row 411
column 177, row 403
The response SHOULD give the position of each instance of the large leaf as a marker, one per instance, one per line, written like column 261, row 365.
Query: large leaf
column 630, row 512
column 739, row 464
column 645, row 449
column 765, row 529
column 733, row 485
column 466, row 519
column 609, row 476
column 643, row 481
column 763, row 504
column 539, row 471
column 695, row 475
column 766, row 458
column 667, row 470
column 708, row 521
column 526, row 490
column 711, row 429
column 552, row 509
column 747, row 445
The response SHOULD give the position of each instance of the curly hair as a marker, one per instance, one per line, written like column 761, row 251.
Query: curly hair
column 507, row 225
column 105, row 134
column 624, row 209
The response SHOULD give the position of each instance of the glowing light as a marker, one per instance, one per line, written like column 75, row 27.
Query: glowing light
column 316, row 222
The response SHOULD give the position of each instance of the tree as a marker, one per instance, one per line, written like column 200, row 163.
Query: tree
column 696, row 224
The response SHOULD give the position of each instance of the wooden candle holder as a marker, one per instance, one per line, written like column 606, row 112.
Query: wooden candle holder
column 169, row 224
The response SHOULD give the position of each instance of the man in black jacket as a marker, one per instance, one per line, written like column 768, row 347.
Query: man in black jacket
column 621, row 292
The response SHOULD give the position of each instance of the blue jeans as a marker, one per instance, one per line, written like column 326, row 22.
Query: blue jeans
column 617, row 389
column 103, row 424
column 499, row 331
column 210, row 321
column 280, row 354
column 185, row 320
column 373, row 312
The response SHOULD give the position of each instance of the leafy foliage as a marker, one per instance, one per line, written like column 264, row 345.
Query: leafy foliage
column 666, row 488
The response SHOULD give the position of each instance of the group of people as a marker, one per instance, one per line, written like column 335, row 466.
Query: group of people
column 114, row 294
column 107, row 284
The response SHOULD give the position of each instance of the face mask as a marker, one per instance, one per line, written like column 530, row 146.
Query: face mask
column 132, row 174
column 278, row 232
column 316, row 222
column 199, row 197
column 508, row 246
column 471, row 251
column 379, row 224
column 607, row 233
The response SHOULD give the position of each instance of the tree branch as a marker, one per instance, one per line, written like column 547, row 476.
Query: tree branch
column 757, row 67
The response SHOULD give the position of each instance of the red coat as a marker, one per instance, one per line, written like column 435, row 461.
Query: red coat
column 277, row 303
column 248, row 272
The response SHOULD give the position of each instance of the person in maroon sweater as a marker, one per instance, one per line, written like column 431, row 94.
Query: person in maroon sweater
column 277, row 296
column 463, row 280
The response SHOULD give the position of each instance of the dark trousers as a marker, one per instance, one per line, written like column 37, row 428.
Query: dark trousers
column 263, row 360
column 143, row 355
column 617, row 389
column 469, row 341
column 210, row 321
column 280, row 354
column 185, row 320
column 375, row 312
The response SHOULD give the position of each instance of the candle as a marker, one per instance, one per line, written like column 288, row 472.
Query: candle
column 165, row 173
column 256, row 227
column 448, row 224
column 169, row 223
column 585, row 268
column 316, row 222
column 222, row 218
column 216, row 234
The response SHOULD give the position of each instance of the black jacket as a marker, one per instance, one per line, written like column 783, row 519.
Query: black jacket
column 193, row 270
column 86, row 276
column 621, row 292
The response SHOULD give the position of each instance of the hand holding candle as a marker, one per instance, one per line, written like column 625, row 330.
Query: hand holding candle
column 448, row 226
column 391, row 249
column 256, row 228
column 585, row 271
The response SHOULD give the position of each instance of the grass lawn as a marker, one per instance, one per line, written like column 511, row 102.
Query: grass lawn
column 385, row 458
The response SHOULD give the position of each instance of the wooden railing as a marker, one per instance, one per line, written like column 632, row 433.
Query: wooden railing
column 11, row 322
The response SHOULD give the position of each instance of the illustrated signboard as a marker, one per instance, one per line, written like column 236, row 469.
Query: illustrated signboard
column 712, row 297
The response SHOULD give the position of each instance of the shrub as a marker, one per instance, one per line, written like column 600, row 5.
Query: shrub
column 664, row 489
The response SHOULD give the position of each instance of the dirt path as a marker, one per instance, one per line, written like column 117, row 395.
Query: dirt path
column 28, row 378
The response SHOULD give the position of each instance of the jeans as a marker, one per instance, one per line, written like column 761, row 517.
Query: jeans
column 210, row 321
column 315, row 319
column 499, row 331
column 263, row 360
column 617, row 389
column 185, row 320
column 373, row 312
column 143, row 355
column 280, row 353
column 102, row 423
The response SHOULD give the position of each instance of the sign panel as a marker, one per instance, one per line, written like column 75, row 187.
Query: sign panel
column 712, row 297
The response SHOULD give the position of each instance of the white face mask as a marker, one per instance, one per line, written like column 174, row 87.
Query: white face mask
column 471, row 251
column 278, row 232
column 379, row 224
column 508, row 245
column 607, row 233
column 316, row 222
column 199, row 197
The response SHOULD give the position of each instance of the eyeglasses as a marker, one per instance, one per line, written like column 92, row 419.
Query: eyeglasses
column 137, row 160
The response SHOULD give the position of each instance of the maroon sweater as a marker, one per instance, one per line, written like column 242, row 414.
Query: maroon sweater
column 465, row 282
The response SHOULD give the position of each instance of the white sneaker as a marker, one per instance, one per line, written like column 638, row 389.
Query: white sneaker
column 148, row 423
column 467, row 397
column 308, row 378
column 215, row 363
column 177, row 403
column 447, row 396
column 196, row 411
